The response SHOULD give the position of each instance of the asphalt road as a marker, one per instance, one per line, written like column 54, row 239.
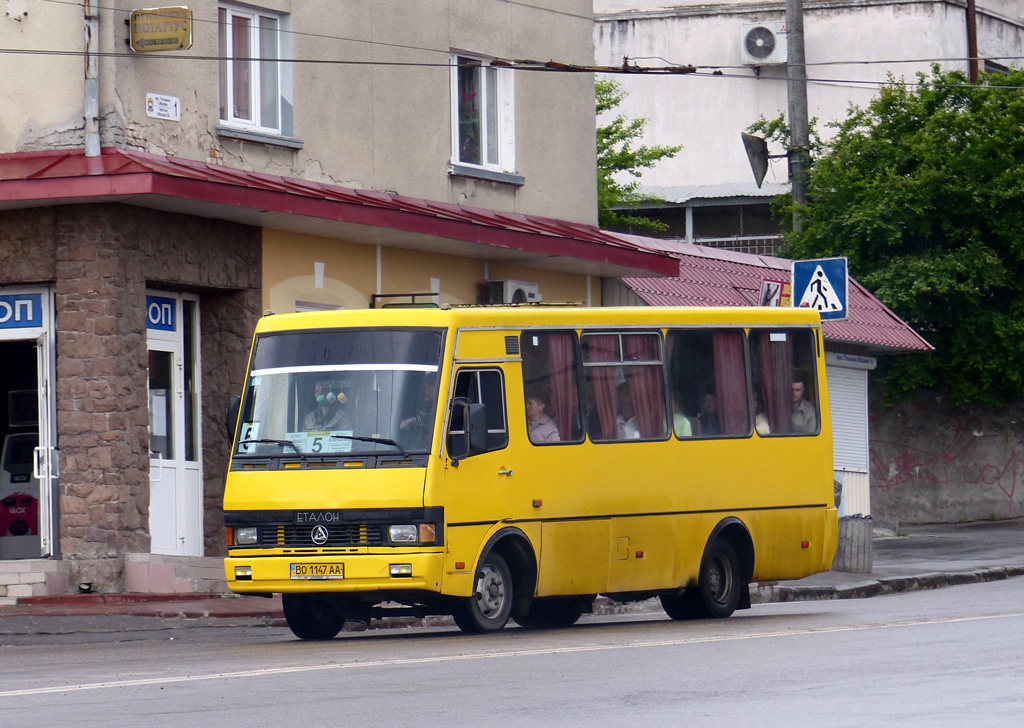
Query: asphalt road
column 947, row 657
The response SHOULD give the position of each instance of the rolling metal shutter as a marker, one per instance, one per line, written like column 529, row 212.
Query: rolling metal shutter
column 848, row 399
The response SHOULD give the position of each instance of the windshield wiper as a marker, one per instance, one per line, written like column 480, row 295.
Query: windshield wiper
column 267, row 441
column 379, row 440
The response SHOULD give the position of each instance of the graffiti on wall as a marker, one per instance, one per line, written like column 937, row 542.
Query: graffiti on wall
column 957, row 453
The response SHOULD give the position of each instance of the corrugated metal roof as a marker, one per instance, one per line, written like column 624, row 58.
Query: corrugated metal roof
column 67, row 176
column 713, row 277
column 680, row 194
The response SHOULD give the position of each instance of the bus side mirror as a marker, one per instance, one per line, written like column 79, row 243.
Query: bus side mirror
column 231, row 416
column 467, row 429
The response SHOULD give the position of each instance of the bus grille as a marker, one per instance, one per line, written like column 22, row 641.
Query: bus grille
column 349, row 534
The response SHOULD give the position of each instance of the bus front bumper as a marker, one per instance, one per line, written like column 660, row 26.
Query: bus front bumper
column 351, row 573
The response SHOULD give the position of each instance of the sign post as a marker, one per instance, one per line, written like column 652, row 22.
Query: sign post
column 823, row 285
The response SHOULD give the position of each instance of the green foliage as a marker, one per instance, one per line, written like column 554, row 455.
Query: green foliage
column 923, row 191
column 616, row 154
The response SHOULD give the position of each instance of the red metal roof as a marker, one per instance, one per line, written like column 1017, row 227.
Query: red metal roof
column 150, row 180
column 713, row 277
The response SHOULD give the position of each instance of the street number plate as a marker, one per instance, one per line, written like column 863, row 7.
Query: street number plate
column 318, row 571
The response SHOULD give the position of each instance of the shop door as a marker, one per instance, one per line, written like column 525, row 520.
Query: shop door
column 28, row 458
column 175, row 467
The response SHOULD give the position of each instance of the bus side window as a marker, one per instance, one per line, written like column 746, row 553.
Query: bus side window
column 784, row 366
column 708, row 381
column 486, row 387
column 551, row 384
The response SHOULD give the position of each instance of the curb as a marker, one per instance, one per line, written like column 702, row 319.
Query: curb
column 769, row 592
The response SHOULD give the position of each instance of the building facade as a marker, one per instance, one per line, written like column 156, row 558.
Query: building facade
column 739, row 51
column 286, row 156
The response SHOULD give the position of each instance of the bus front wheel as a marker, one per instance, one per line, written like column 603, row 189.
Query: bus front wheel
column 312, row 616
column 488, row 609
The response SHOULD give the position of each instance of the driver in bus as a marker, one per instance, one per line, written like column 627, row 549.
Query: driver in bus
column 328, row 413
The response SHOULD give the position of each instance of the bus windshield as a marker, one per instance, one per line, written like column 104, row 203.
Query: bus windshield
column 323, row 393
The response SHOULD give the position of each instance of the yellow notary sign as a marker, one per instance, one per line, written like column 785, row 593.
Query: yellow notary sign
column 161, row 29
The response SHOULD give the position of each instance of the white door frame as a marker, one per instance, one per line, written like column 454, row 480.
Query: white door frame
column 26, row 314
column 176, row 481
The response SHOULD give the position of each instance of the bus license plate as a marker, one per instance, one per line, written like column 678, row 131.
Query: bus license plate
column 318, row 571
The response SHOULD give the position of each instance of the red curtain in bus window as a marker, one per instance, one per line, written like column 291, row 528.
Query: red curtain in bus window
column 731, row 382
column 603, row 349
column 646, row 385
column 563, row 382
column 776, row 380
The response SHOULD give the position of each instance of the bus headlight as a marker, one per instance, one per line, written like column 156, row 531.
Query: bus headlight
column 403, row 534
column 247, row 536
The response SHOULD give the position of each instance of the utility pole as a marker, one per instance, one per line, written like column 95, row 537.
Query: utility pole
column 972, row 41
column 796, row 86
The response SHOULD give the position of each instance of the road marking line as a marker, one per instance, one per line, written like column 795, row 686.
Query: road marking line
column 267, row 671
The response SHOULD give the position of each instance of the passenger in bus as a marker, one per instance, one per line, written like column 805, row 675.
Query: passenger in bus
column 628, row 427
column 540, row 426
column 761, row 425
column 804, row 419
column 328, row 413
column 708, row 415
column 680, row 422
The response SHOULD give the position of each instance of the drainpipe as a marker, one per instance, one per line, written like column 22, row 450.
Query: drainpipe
column 92, row 80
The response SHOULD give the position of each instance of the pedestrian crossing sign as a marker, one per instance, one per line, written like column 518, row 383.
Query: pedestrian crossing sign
column 823, row 285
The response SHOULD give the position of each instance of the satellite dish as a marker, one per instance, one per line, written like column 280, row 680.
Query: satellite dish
column 757, row 153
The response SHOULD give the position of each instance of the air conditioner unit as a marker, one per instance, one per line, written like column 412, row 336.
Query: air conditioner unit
column 764, row 44
column 512, row 292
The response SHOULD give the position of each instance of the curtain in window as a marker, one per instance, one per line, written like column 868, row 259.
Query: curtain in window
column 563, row 382
column 731, row 382
column 603, row 349
column 776, row 381
column 646, row 385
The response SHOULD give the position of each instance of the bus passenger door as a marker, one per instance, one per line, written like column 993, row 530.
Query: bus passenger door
column 479, row 487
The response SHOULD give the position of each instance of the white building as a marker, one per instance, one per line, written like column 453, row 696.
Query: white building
column 851, row 48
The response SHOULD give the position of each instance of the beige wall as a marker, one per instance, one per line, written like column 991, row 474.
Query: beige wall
column 370, row 126
column 350, row 274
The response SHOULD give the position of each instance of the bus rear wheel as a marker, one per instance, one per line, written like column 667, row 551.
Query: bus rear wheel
column 553, row 613
column 720, row 580
column 488, row 609
column 717, row 594
column 312, row 616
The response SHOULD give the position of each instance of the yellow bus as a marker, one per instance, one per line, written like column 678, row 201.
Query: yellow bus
column 497, row 463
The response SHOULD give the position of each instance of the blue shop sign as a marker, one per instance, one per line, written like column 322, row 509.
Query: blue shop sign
column 160, row 313
column 21, row 311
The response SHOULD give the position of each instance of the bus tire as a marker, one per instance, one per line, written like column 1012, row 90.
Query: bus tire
column 312, row 616
column 682, row 605
column 488, row 608
column 720, row 581
column 552, row 613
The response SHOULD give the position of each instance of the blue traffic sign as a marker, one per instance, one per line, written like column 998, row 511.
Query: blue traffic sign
column 823, row 285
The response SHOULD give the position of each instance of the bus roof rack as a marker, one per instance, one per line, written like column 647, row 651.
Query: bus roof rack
column 376, row 299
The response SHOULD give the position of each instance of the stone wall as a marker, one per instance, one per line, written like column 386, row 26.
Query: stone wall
column 933, row 463
column 102, row 259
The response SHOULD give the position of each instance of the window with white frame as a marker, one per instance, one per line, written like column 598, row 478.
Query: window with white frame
column 482, row 114
column 252, row 81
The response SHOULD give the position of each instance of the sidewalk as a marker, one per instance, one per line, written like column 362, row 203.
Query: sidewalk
column 915, row 557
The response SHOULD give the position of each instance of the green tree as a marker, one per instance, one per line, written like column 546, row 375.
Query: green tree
column 923, row 191
column 616, row 154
